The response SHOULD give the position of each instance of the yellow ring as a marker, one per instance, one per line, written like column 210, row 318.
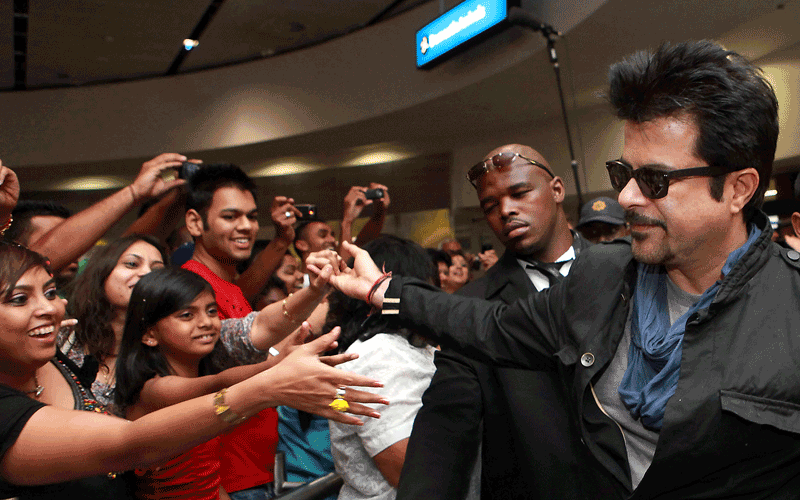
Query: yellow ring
column 340, row 405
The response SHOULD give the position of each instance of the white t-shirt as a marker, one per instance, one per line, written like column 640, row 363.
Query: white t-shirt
column 406, row 372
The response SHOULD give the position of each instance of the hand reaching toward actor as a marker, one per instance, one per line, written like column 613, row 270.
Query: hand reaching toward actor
column 356, row 282
column 307, row 383
column 301, row 336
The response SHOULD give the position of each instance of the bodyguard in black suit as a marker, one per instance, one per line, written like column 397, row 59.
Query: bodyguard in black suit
column 517, row 418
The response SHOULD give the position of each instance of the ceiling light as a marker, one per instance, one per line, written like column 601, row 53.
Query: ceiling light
column 770, row 193
column 285, row 168
column 189, row 44
column 377, row 156
column 90, row 183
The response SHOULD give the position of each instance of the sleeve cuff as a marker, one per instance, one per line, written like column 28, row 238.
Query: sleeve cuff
column 391, row 298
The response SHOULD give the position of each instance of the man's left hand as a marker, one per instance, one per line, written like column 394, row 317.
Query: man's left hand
column 9, row 189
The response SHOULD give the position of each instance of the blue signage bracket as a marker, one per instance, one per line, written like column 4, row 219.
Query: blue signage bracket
column 458, row 25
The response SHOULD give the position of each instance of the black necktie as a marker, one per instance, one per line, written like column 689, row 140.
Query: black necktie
column 551, row 270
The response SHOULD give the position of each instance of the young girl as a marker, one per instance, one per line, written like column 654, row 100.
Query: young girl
column 169, row 353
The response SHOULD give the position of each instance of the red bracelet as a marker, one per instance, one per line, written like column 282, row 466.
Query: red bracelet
column 6, row 225
column 377, row 283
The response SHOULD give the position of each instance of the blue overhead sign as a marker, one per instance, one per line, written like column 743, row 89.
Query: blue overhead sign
column 459, row 24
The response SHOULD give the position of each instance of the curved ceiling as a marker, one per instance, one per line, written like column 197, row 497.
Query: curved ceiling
column 91, row 41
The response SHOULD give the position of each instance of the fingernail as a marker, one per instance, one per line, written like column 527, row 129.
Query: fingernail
column 375, row 414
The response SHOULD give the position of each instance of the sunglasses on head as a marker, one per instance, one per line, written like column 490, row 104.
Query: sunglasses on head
column 654, row 183
column 501, row 160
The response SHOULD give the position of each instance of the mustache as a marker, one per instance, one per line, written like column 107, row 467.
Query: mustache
column 632, row 217
column 515, row 219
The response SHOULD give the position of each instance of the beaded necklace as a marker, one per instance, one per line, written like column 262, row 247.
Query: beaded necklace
column 87, row 402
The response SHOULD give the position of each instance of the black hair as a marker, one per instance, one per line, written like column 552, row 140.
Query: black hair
column 16, row 260
column 730, row 101
column 400, row 256
column 88, row 302
column 25, row 210
column 208, row 179
column 301, row 231
column 300, row 228
column 439, row 256
column 157, row 295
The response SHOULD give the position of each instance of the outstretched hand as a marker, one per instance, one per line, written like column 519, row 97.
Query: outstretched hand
column 308, row 384
column 355, row 282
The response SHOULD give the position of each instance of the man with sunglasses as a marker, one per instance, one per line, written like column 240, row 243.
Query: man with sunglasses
column 680, row 349
column 516, row 418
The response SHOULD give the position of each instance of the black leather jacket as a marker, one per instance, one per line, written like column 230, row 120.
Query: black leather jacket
column 732, row 429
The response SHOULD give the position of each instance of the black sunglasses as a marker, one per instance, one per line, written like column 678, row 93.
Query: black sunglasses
column 654, row 183
column 501, row 160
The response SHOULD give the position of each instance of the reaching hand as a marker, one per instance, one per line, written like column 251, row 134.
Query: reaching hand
column 149, row 182
column 9, row 192
column 284, row 214
column 308, row 384
column 301, row 336
column 321, row 282
column 355, row 282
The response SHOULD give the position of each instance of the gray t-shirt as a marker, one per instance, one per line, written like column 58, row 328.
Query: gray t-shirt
column 640, row 443
column 406, row 372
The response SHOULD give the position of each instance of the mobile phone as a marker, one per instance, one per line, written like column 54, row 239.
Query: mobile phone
column 187, row 170
column 374, row 194
column 476, row 262
column 307, row 211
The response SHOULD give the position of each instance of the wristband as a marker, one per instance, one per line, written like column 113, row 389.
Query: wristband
column 224, row 411
column 286, row 314
column 6, row 225
column 385, row 276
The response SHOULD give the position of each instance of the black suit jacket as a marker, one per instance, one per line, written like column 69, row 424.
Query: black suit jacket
column 531, row 448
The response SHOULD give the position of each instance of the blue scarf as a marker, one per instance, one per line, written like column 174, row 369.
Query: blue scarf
column 654, row 356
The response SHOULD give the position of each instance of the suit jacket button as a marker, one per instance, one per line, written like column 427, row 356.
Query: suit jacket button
column 587, row 359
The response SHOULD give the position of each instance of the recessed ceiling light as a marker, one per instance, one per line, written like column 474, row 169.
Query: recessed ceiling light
column 90, row 183
column 189, row 44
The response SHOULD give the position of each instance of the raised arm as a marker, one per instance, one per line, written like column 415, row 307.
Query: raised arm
column 276, row 321
column 488, row 331
column 72, row 238
column 162, row 217
column 162, row 392
column 354, row 203
column 9, row 195
column 45, row 451
column 372, row 229
column 253, row 280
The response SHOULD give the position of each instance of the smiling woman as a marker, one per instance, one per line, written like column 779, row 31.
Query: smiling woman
column 99, row 300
